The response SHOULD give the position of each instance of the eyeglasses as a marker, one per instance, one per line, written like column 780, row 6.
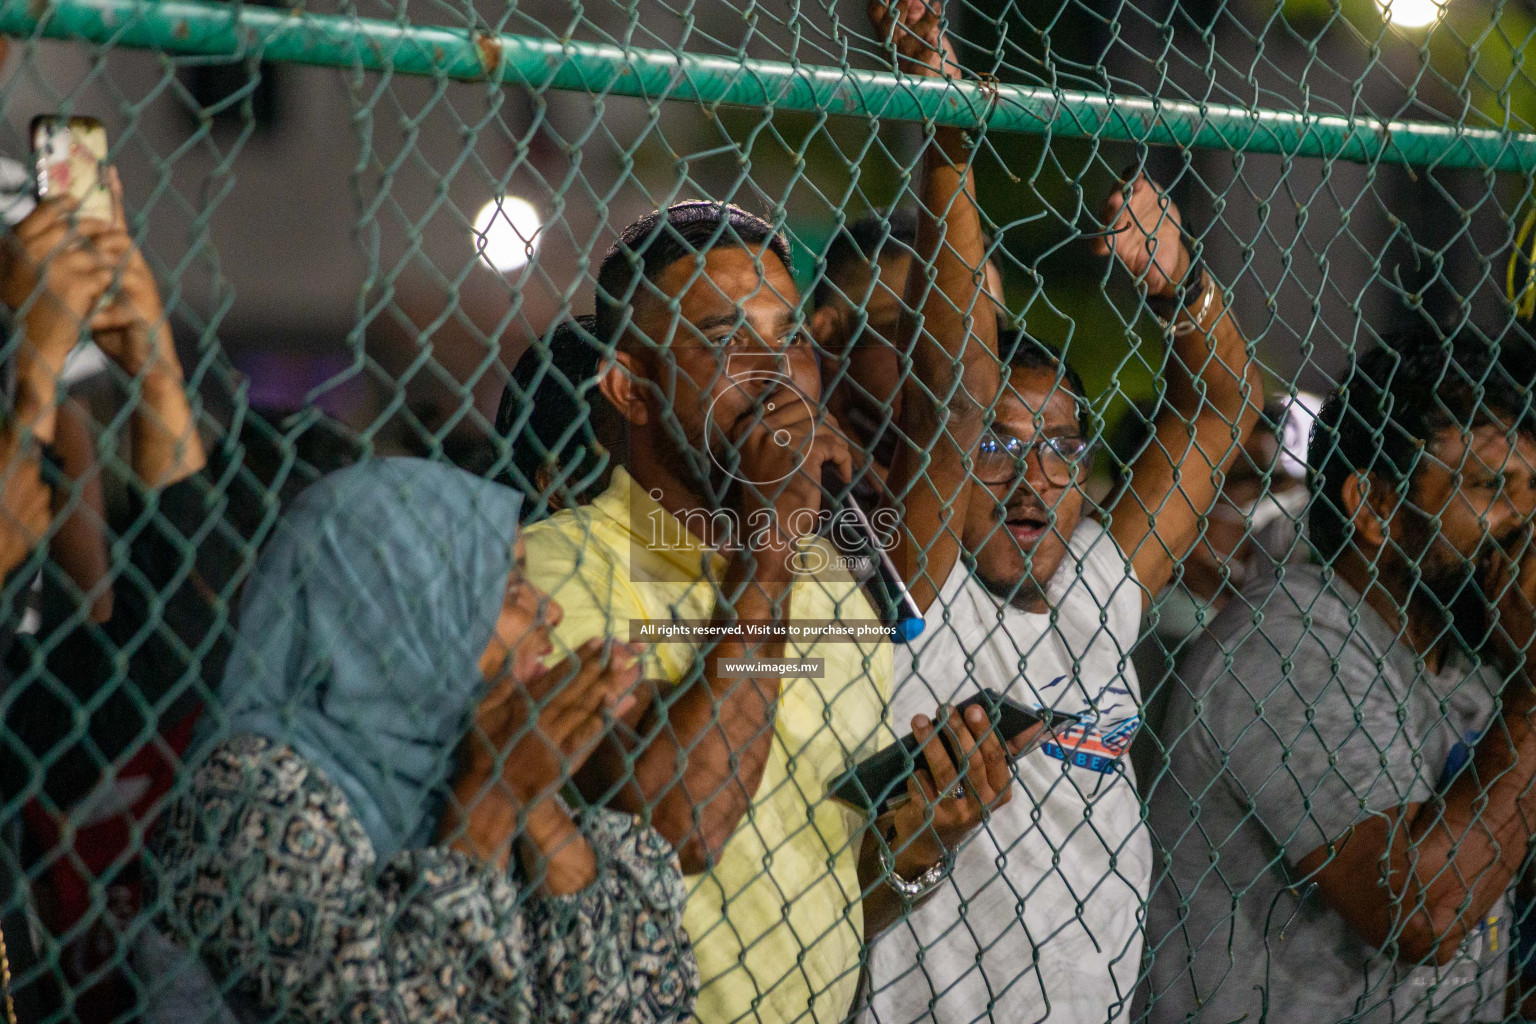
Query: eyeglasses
column 1001, row 458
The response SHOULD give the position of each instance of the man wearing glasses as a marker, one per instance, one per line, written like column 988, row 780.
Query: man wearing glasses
column 1026, row 594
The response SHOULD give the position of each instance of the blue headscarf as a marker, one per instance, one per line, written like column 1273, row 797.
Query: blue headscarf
column 362, row 629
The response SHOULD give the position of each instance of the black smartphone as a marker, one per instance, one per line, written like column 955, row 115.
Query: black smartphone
column 878, row 784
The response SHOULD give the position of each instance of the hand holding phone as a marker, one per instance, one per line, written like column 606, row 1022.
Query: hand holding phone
column 62, row 258
column 59, row 260
column 964, row 778
column 878, row 784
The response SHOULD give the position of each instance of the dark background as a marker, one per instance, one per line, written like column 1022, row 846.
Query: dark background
column 311, row 226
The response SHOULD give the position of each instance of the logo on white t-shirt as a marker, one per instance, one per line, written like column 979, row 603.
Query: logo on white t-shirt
column 1093, row 744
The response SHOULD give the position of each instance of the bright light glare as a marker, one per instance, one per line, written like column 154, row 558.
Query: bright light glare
column 1411, row 13
column 507, row 233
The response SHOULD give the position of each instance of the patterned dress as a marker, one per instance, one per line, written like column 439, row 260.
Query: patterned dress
column 266, row 872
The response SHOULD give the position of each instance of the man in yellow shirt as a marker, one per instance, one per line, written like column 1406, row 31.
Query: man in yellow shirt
column 712, row 527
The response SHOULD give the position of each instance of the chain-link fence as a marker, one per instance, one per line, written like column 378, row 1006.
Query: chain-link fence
column 775, row 513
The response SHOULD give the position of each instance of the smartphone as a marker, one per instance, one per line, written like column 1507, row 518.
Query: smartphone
column 878, row 784
column 71, row 158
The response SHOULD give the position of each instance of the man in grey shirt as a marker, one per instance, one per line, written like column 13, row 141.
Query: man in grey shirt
column 1350, row 789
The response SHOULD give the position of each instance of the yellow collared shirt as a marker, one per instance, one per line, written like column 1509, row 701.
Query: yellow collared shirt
column 776, row 925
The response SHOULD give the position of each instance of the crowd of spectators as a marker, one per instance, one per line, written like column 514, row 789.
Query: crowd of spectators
column 387, row 745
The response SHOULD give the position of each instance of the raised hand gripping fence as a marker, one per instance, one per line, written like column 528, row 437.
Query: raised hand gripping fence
column 1278, row 640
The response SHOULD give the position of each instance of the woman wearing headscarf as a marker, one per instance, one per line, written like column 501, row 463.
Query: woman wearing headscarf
column 377, row 834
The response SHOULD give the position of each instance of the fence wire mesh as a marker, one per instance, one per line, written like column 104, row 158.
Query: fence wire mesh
column 502, row 503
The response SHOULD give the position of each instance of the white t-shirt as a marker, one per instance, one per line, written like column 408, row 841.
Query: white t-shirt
column 1042, row 915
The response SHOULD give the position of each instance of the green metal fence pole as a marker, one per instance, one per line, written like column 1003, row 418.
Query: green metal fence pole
column 190, row 27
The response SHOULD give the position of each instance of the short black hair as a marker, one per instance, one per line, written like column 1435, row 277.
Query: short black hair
column 1393, row 401
column 1020, row 350
column 879, row 234
column 662, row 237
column 553, row 415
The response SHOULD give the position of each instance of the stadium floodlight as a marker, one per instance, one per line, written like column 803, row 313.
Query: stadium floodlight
column 506, row 233
column 1411, row 13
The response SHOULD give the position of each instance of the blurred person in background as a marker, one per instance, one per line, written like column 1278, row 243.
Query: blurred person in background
column 102, row 667
column 51, row 294
column 565, row 438
column 712, row 519
column 1357, row 738
column 1254, row 528
column 1028, row 594
column 374, row 829
column 856, row 322
column 1518, row 352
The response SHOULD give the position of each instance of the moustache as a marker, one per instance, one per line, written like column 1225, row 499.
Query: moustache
column 1033, row 513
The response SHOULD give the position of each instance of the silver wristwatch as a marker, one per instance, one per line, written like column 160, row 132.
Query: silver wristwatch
column 915, row 888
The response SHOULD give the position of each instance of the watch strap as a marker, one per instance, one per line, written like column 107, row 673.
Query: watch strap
column 914, row 888
column 1190, row 291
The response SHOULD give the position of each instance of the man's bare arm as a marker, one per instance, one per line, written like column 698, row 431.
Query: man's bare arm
column 1420, row 880
column 24, row 499
column 1214, row 394
column 134, row 333
column 953, row 380
column 696, row 759
column 941, row 812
